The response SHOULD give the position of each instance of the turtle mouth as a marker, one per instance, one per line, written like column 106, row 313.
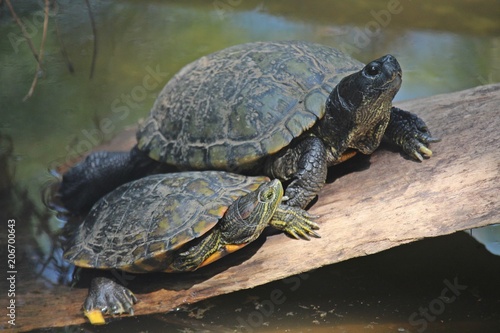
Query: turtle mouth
column 397, row 78
column 394, row 82
column 397, row 75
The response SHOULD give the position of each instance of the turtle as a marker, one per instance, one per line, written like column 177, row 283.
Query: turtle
column 176, row 222
column 284, row 109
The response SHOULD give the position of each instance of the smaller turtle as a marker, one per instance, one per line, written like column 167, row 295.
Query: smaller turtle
column 176, row 222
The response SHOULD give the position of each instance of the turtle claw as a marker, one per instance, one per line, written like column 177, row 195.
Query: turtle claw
column 420, row 152
column 426, row 151
column 314, row 234
column 430, row 139
column 295, row 222
column 417, row 156
column 304, row 234
column 292, row 234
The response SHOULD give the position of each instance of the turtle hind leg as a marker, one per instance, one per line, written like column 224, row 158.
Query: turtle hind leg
column 100, row 173
column 409, row 132
column 107, row 297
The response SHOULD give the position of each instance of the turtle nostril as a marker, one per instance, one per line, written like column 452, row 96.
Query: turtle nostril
column 391, row 63
column 388, row 58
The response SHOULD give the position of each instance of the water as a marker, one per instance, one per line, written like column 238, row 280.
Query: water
column 442, row 47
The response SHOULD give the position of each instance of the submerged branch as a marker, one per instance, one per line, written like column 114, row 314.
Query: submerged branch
column 23, row 30
column 64, row 53
column 42, row 46
column 94, row 32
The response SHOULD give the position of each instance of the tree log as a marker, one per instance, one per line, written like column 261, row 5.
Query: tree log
column 369, row 204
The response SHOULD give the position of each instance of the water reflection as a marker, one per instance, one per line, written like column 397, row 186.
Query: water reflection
column 39, row 254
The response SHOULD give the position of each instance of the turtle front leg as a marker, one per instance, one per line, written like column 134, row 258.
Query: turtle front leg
column 107, row 297
column 295, row 222
column 409, row 132
column 306, row 165
column 210, row 248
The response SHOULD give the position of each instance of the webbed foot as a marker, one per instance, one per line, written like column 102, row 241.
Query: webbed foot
column 295, row 222
column 410, row 133
column 107, row 297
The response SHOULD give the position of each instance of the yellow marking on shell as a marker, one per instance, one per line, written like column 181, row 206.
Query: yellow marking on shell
column 218, row 211
column 163, row 224
column 196, row 157
column 83, row 263
column 245, row 153
column 230, row 248
column 154, row 153
column 198, row 185
column 314, row 103
column 218, row 156
column 139, row 251
column 347, row 155
column 275, row 142
column 143, row 267
column 178, row 240
column 200, row 228
column 261, row 179
column 157, row 247
column 168, row 270
column 150, row 264
column 141, row 142
column 95, row 317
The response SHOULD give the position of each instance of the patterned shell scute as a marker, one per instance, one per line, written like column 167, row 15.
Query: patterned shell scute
column 145, row 220
column 231, row 108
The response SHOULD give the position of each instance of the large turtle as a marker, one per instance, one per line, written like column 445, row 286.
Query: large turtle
column 175, row 223
column 286, row 109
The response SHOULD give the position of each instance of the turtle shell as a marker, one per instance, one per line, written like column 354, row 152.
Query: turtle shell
column 138, row 226
column 229, row 109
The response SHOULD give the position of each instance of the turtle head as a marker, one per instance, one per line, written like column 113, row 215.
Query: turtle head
column 270, row 193
column 258, row 207
column 247, row 217
column 363, row 92
column 381, row 78
column 359, row 107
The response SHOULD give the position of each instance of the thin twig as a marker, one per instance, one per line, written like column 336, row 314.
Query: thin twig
column 94, row 32
column 64, row 53
column 42, row 44
column 23, row 30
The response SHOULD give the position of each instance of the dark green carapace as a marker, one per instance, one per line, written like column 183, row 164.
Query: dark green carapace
column 288, row 110
column 177, row 222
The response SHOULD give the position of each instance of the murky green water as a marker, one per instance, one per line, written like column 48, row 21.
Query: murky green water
column 442, row 47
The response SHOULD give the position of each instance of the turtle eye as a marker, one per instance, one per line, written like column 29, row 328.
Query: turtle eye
column 372, row 69
column 266, row 196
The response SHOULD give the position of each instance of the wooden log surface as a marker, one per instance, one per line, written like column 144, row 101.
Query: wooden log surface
column 382, row 202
